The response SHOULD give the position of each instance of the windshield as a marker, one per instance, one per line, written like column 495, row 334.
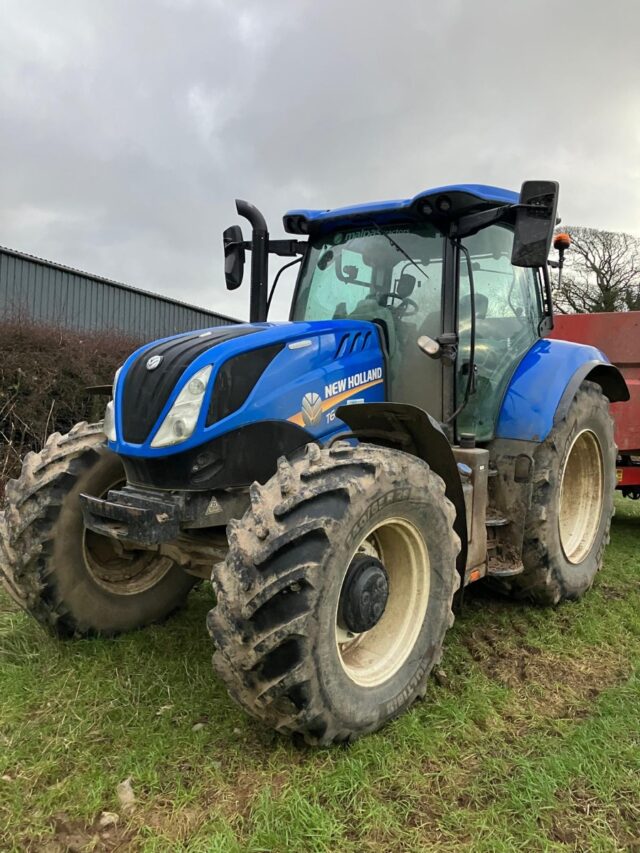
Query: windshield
column 391, row 275
column 345, row 267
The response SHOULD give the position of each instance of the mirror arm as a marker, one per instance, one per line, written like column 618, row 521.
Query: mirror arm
column 287, row 248
column 473, row 222
column 283, row 248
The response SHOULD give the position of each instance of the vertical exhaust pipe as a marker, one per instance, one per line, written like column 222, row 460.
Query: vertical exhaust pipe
column 259, row 260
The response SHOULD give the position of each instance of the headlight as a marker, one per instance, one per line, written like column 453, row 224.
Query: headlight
column 109, row 426
column 181, row 421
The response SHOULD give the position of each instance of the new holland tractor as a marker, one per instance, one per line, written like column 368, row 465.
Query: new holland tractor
column 339, row 476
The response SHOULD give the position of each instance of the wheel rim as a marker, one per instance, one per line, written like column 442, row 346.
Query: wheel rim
column 120, row 570
column 581, row 496
column 371, row 658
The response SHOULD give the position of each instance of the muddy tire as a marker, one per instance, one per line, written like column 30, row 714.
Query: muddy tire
column 72, row 580
column 567, row 528
column 284, row 646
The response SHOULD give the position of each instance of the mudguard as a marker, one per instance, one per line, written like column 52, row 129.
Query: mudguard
column 412, row 430
column 545, row 383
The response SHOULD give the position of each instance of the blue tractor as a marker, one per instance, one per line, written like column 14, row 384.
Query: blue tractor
column 339, row 476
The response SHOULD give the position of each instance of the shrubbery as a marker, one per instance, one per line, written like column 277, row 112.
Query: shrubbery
column 44, row 373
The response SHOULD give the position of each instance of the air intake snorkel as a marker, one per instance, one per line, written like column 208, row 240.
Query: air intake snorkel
column 259, row 246
column 259, row 260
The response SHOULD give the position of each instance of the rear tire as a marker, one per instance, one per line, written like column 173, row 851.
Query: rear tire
column 282, row 650
column 71, row 580
column 568, row 524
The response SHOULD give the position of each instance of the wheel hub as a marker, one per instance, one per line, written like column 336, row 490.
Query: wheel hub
column 364, row 595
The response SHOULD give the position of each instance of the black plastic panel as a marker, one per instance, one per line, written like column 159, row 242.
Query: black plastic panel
column 235, row 459
column 236, row 379
column 147, row 391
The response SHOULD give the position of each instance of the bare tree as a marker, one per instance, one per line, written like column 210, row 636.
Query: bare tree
column 601, row 272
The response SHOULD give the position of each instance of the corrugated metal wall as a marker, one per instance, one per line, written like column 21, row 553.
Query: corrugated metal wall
column 51, row 293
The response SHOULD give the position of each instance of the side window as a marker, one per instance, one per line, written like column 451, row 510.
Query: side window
column 508, row 313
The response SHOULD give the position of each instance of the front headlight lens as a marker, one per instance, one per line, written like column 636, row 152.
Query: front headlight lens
column 109, row 426
column 115, row 381
column 182, row 418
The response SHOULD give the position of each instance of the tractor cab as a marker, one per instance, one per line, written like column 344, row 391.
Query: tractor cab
column 413, row 281
column 455, row 279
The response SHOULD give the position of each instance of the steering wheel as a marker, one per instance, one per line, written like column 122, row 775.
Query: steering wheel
column 405, row 303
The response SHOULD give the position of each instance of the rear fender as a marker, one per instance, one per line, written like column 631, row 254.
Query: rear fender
column 607, row 376
column 544, row 384
column 412, row 430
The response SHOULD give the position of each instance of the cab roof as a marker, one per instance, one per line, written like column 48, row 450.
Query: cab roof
column 458, row 198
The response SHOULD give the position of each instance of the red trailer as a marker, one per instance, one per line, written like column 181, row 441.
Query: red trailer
column 618, row 336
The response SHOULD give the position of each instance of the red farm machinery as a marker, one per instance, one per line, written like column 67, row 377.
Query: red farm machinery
column 617, row 335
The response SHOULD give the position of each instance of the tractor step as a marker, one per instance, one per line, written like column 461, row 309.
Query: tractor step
column 494, row 519
column 505, row 565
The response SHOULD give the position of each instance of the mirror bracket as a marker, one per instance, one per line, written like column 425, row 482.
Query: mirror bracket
column 474, row 222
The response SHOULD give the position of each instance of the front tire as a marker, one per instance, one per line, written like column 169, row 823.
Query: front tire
column 283, row 647
column 568, row 524
column 73, row 581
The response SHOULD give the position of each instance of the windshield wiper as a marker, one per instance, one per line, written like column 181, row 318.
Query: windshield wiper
column 399, row 248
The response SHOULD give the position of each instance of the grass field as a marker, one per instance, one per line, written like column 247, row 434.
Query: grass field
column 529, row 740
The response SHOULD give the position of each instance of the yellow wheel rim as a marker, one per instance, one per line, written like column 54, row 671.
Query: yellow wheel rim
column 581, row 496
column 373, row 657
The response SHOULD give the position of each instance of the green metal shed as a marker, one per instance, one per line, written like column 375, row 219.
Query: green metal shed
column 51, row 293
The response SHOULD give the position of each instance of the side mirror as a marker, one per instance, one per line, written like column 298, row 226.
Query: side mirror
column 232, row 241
column 535, row 221
column 405, row 285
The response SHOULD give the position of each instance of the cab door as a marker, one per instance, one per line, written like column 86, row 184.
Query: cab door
column 416, row 379
column 508, row 312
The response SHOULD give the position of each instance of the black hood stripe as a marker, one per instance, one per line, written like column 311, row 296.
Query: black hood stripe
column 237, row 378
column 147, row 391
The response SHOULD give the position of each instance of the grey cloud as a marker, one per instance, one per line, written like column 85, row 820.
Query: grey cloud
column 129, row 128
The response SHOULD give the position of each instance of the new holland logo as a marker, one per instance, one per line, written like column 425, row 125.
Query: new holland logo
column 311, row 409
column 154, row 361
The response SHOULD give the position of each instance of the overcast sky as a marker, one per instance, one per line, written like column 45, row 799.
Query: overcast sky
column 128, row 128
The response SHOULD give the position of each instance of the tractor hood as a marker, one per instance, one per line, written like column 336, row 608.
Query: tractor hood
column 295, row 374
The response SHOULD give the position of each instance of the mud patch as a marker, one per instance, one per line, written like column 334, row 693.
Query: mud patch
column 76, row 836
column 238, row 793
column 174, row 826
column 582, row 808
column 556, row 686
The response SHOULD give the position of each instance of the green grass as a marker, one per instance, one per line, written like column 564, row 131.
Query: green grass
column 531, row 743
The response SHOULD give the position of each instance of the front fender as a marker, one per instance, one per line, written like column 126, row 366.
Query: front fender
column 412, row 430
column 545, row 383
